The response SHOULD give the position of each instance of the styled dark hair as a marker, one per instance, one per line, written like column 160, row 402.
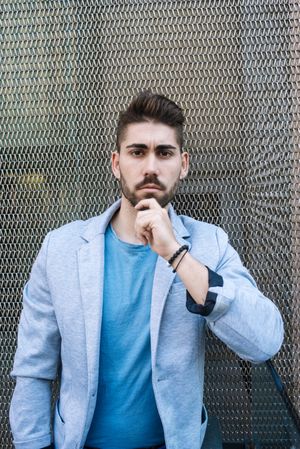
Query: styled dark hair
column 148, row 106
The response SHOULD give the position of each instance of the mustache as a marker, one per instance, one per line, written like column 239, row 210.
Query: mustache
column 150, row 180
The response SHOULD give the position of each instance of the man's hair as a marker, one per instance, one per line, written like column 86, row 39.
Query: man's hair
column 148, row 106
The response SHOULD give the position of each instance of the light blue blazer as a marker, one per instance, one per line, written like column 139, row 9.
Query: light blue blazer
column 60, row 326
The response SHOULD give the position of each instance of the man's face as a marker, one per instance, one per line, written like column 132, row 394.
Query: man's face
column 149, row 164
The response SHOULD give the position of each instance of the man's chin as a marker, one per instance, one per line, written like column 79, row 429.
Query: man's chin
column 147, row 195
column 134, row 200
column 161, row 197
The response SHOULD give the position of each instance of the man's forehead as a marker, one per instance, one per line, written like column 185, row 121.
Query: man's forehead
column 149, row 133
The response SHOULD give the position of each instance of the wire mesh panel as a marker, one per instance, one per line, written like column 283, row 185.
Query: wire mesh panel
column 67, row 70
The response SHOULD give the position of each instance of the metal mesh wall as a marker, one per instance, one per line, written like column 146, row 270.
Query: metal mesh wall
column 69, row 67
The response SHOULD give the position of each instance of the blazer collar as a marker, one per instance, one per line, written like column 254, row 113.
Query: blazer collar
column 97, row 225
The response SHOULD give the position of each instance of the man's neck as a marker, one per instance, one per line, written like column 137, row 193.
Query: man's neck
column 123, row 222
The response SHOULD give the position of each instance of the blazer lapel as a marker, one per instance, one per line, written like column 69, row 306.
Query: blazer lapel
column 91, row 271
column 91, row 278
column 163, row 278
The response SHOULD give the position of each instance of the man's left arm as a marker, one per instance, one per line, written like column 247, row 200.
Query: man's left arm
column 235, row 310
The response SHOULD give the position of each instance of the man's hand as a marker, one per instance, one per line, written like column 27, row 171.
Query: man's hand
column 153, row 226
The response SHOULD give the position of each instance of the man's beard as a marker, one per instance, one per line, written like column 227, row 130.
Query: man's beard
column 134, row 199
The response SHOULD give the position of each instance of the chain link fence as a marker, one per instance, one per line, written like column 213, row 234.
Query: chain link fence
column 69, row 67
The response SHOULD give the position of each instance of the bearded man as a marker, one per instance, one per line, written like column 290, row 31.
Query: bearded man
column 117, row 307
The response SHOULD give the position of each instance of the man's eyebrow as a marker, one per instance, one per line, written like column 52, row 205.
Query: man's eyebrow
column 135, row 145
column 166, row 147
column 158, row 147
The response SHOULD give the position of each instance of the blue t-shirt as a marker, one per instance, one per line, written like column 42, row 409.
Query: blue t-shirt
column 126, row 416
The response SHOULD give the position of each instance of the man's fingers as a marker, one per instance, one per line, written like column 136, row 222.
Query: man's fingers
column 148, row 236
column 151, row 214
column 150, row 219
column 144, row 222
column 143, row 226
column 144, row 236
column 152, row 224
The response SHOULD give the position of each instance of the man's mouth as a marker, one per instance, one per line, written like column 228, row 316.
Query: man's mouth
column 150, row 187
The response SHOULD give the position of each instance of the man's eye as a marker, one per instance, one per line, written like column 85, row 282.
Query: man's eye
column 137, row 152
column 164, row 153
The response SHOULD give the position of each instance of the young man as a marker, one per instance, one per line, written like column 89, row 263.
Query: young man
column 123, row 328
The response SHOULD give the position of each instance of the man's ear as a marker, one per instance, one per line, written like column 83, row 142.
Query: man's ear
column 115, row 163
column 185, row 163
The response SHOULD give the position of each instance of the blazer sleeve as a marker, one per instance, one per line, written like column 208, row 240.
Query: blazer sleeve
column 36, row 360
column 236, row 311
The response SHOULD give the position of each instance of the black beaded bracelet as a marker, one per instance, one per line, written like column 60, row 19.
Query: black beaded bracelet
column 176, row 254
column 175, row 269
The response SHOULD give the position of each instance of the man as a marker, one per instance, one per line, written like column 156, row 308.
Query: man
column 125, row 329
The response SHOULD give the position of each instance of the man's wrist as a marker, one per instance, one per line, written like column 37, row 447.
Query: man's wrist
column 171, row 251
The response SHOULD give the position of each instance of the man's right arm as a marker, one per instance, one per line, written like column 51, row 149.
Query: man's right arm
column 36, row 361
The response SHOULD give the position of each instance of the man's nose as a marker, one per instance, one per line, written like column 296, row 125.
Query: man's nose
column 151, row 165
